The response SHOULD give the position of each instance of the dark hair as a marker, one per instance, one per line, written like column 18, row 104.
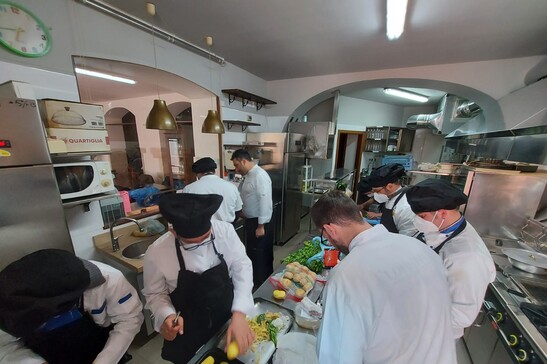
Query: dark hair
column 335, row 207
column 241, row 154
column 146, row 179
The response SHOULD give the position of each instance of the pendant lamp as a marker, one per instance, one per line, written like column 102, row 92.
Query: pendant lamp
column 212, row 123
column 159, row 117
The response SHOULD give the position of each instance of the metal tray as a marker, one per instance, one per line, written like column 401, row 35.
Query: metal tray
column 219, row 356
column 265, row 349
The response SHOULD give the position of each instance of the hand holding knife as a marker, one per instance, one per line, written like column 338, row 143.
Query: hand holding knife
column 176, row 319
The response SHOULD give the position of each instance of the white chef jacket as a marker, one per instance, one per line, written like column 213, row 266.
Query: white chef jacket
column 386, row 302
column 161, row 268
column 256, row 193
column 114, row 302
column 212, row 183
column 470, row 269
column 402, row 215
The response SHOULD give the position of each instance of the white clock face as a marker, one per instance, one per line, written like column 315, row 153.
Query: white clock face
column 22, row 32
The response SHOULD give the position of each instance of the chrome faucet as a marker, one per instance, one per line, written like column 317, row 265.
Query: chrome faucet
column 114, row 240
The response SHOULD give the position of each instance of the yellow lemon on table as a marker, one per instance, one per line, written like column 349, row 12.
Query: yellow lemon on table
column 233, row 350
column 208, row 360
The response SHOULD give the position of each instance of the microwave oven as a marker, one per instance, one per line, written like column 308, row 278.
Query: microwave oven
column 83, row 179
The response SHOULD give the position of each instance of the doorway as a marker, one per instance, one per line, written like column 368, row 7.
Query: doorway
column 349, row 153
column 125, row 156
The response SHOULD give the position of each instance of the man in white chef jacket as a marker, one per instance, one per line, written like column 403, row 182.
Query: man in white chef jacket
column 397, row 216
column 387, row 301
column 62, row 307
column 200, row 270
column 208, row 182
column 465, row 256
column 256, row 193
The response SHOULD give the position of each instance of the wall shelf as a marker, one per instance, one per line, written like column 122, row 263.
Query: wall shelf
column 244, row 124
column 245, row 97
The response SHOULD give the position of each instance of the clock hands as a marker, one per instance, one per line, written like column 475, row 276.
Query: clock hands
column 17, row 31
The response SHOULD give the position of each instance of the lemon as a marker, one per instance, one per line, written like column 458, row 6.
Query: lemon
column 233, row 350
column 279, row 294
column 208, row 360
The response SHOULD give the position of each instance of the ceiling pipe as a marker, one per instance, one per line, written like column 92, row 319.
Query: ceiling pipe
column 136, row 22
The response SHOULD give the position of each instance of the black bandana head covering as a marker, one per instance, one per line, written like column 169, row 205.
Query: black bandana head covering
column 39, row 286
column 388, row 173
column 189, row 213
column 433, row 195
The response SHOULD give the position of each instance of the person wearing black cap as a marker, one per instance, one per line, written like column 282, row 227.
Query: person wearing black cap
column 397, row 216
column 465, row 256
column 208, row 182
column 66, row 310
column 398, row 312
column 200, row 270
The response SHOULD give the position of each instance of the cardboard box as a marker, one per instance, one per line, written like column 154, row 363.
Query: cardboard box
column 78, row 140
column 71, row 115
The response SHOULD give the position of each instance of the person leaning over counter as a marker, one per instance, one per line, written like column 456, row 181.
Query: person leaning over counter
column 208, row 183
column 256, row 193
column 387, row 301
column 465, row 256
column 199, row 269
column 146, row 195
column 66, row 310
column 397, row 216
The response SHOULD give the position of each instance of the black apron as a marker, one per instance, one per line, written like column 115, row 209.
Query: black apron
column 387, row 214
column 456, row 232
column 205, row 303
column 79, row 341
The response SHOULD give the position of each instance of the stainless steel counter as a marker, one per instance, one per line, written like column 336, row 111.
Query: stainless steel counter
column 264, row 292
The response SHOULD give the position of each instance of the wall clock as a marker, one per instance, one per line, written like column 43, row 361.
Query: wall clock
column 22, row 32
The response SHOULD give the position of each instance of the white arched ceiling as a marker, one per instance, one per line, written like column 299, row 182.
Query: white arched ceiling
column 490, row 106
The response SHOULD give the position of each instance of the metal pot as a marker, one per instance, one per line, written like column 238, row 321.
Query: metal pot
column 527, row 260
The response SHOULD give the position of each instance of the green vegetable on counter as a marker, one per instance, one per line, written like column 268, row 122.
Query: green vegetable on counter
column 302, row 255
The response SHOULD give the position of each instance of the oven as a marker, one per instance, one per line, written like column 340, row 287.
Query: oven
column 512, row 325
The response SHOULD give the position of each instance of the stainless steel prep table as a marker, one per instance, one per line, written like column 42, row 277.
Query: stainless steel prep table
column 265, row 292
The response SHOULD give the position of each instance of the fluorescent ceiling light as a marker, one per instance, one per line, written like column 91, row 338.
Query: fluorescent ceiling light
column 395, row 18
column 406, row 94
column 104, row 75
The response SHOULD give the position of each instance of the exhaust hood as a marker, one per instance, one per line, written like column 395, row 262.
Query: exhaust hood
column 452, row 112
column 522, row 112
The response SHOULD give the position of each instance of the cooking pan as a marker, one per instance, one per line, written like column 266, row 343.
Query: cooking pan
column 527, row 260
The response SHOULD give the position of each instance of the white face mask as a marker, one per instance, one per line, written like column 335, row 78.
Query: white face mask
column 431, row 232
column 380, row 197
column 425, row 226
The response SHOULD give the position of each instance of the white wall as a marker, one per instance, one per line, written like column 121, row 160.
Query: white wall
column 357, row 114
column 496, row 78
column 80, row 30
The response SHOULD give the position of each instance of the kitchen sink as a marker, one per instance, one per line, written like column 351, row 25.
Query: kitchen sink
column 137, row 249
